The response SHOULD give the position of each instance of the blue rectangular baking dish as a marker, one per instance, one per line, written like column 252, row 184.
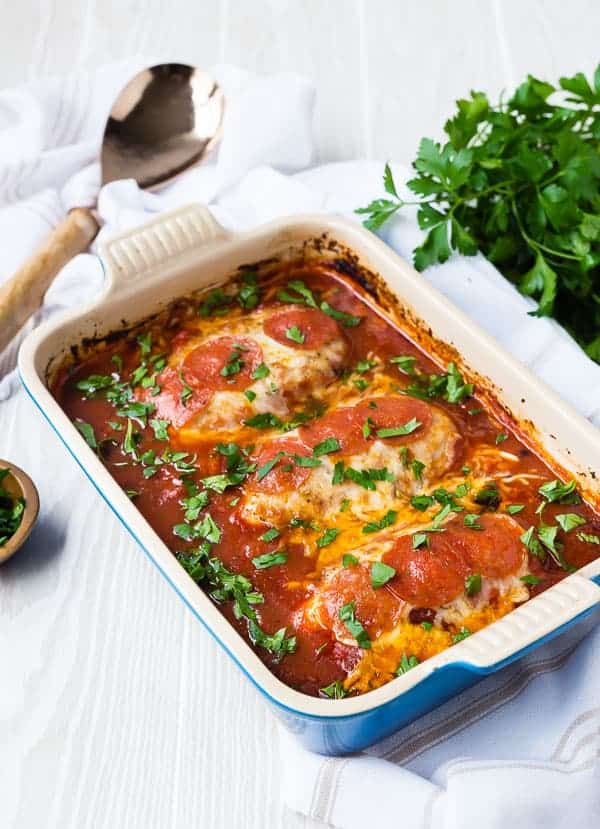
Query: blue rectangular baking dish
column 186, row 250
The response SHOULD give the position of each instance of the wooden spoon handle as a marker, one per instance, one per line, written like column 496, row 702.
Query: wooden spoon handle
column 22, row 295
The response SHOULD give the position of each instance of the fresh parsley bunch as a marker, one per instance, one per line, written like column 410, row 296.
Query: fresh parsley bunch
column 520, row 182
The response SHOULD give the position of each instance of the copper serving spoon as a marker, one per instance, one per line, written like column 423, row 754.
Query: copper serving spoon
column 19, row 485
column 164, row 121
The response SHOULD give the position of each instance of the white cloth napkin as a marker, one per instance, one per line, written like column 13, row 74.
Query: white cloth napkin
column 523, row 747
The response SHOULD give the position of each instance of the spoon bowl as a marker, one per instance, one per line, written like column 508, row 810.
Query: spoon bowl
column 19, row 485
column 164, row 121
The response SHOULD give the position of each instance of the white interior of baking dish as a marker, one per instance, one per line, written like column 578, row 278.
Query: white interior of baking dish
column 186, row 250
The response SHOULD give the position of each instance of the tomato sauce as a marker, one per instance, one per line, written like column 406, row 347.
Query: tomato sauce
column 445, row 510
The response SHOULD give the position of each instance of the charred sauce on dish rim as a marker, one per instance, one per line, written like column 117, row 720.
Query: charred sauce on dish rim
column 265, row 577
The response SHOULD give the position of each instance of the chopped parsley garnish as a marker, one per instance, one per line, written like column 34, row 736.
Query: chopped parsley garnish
column 137, row 411
column 345, row 504
column 305, row 524
column 471, row 521
column 398, row 431
column 556, row 492
column 462, row 634
column 347, row 320
column 542, row 541
column 381, row 573
column 417, row 469
column 264, row 470
column 328, row 537
column 488, row 496
column 87, row 431
column 405, row 363
column 326, row 446
column 335, row 690
column 348, row 560
column 130, row 440
column 159, row 427
column 297, row 293
column 227, row 586
column 547, row 536
column 260, row 372
column 145, row 343
column 270, row 535
column 346, row 614
column 295, row 334
column 473, row 584
column 186, row 391
column 422, row 502
column 234, row 363
column 367, row 428
column 386, row 521
column 365, row 478
column 407, row 663
column 249, row 294
column 529, row 539
column 449, row 386
column 206, row 529
column 569, row 521
column 269, row 560
column 194, row 504
column 94, row 383
column 365, row 365
column 513, row 509
column 427, row 626
column 216, row 303
column 500, row 438
column 306, row 461
column 250, row 395
column 530, row 579
column 338, row 473
column 589, row 538
column 11, row 510
column 264, row 420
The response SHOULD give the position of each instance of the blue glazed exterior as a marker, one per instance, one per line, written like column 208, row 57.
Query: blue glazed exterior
column 345, row 735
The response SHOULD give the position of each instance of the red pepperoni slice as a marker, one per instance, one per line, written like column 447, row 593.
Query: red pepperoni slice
column 347, row 424
column 285, row 474
column 428, row 576
column 315, row 328
column 219, row 365
column 174, row 403
column 497, row 550
column 376, row 609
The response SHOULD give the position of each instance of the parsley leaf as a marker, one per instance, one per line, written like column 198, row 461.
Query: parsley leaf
column 328, row 537
column 386, row 521
column 519, row 181
column 407, row 663
column 381, row 573
column 335, row 690
column 269, row 560
column 295, row 334
column 346, row 614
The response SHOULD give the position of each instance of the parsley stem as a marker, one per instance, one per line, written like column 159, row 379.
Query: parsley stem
column 538, row 246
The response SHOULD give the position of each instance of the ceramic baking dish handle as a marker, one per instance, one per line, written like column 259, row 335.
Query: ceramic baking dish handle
column 541, row 617
column 139, row 253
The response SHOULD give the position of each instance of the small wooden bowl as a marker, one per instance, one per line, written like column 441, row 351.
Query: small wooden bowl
column 20, row 485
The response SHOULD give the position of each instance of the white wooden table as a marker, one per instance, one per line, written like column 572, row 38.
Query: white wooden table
column 116, row 708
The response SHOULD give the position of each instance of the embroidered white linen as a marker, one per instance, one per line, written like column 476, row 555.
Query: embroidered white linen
column 521, row 748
